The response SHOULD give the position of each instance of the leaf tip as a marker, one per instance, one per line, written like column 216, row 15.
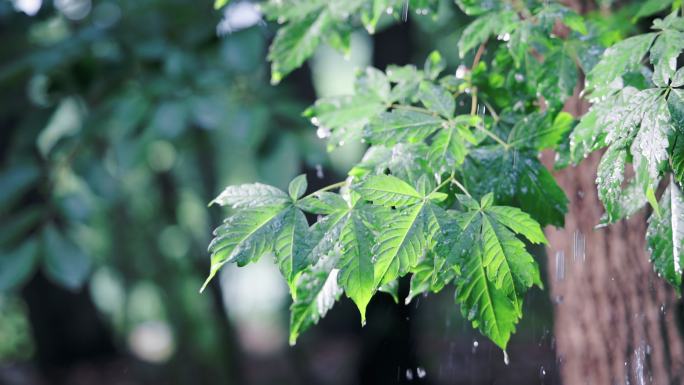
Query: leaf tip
column 276, row 77
column 293, row 338
column 212, row 273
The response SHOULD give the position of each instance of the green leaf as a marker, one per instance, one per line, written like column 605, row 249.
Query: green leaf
column 482, row 303
column 477, row 7
column 251, row 195
column 401, row 125
column 407, row 79
column 575, row 22
column 64, row 262
column 324, row 235
column 665, row 236
column 483, row 27
column 342, row 118
column 611, row 121
column 632, row 199
column 649, row 148
column 609, row 178
column 677, row 157
column 678, row 78
column 403, row 160
column 586, row 137
column 400, row 245
column 14, row 182
column 339, row 39
column 558, row 77
column 448, row 149
column 356, row 268
column 391, row 288
column 518, row 221
column 317, row 292
column 506, row 261
column 389, row 190
column 292, row 9
column 290, row 243
column 322, row 203
column 16, row 266
column 434, row 65
column 372, row 12
column 372, row 81
column 447, row 242
column 296, row 42
column 218, row 4
column 516, row 178
column 17, row 227
column 245, row 236
column 298, row 187
column 622, row 57
column 487, row 201
column 675, row 104
column 651, row 7
column 664, row 53
column 431, row 274
column 538, row 132
column 437, row 99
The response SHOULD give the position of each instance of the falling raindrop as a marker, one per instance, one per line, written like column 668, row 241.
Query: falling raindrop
column 639, row 365
column 461, row 71
column 578, row 247
column 420, row 371
column 506, row 360
column 542, row 372
column 405, row 10
column 409, row 374
column 319, row 171
column 481, row 109
column 323, row 132
column 560, row 265
column 475, row 345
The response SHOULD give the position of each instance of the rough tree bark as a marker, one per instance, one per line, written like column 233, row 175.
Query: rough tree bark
column 616, row 321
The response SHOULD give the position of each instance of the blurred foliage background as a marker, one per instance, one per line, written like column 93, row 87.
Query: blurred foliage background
column 120, row 121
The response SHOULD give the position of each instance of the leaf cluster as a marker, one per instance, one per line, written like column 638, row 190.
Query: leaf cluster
column 451, row 190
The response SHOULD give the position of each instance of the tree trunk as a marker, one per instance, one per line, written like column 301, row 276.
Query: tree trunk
column 615, row 319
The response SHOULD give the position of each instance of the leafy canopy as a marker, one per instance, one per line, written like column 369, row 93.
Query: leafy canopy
column 451, row 190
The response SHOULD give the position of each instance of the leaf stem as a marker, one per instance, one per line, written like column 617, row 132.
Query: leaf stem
column 461, row 187
column 326, row 188
column 452, row 179
column 473, row 101
column 445, row 182
column 492, row 111
column 493, row 136
column 478, row 55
